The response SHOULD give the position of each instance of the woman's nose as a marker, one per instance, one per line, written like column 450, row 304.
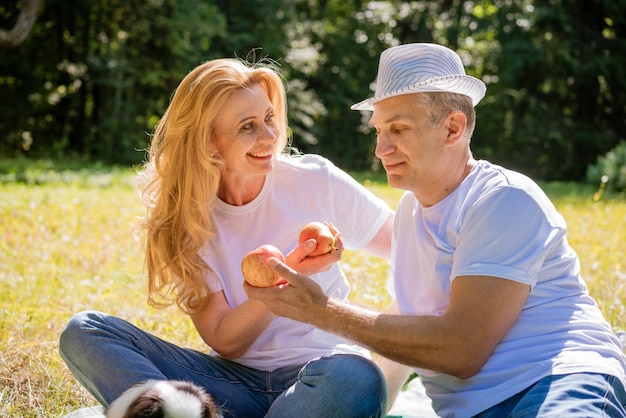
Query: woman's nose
column 268, row 133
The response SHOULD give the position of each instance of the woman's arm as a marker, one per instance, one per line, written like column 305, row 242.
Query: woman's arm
column 380, row 245
column 229, row 331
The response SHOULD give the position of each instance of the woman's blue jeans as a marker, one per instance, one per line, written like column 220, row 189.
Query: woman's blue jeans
column 571, row 395
column 108, row 355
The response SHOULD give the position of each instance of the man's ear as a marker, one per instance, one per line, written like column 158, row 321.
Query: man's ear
column 456, row 123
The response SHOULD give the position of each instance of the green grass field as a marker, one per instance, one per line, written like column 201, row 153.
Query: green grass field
column 66, row 244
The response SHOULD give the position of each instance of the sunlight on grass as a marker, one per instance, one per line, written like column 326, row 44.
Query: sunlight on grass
column 67, row 245
column 66, row 248
column 597, row 231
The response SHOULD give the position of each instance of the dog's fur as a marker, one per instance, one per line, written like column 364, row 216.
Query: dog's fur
column 164, row 399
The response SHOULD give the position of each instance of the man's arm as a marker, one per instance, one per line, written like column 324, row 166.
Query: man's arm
column 459, row 342
column 395, row 373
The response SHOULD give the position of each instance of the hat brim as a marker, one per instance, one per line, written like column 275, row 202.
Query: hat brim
column 460, row 84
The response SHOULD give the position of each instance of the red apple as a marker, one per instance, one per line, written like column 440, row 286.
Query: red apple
column 255, row 269
column 322, row 234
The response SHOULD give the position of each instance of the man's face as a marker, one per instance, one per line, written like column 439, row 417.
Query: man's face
column 408, row 146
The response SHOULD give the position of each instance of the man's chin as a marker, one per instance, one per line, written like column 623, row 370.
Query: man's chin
column 394, row 180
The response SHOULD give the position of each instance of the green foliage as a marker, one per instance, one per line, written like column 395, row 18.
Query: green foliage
column 93, row 78
column 610, row 169
column 103, row 76
column 559, row 99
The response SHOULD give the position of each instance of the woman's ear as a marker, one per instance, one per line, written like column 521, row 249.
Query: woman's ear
column 456, row 123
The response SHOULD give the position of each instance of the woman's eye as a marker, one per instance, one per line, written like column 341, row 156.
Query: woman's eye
column 248, row 126
column 270, row 117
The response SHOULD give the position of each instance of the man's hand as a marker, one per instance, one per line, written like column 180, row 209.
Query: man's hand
column 298, row 299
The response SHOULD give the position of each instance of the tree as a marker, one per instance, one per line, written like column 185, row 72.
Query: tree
column 559, row 100
column 23, row 24
column 94, row 77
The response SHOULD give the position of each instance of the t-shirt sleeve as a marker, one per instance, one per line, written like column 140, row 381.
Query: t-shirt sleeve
column 507, row 234
column 359, row 214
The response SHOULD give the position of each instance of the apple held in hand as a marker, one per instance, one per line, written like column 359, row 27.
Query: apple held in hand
column 322, row 234
column 255, row 269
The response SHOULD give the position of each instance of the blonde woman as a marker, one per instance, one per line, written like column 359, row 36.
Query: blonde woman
column 219, row 183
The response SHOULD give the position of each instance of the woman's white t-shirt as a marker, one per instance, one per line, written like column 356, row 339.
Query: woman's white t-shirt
column 499, row 223
column 298, row 190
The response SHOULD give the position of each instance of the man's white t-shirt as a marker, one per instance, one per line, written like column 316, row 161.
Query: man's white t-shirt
column 500, row 223
column 297, row 191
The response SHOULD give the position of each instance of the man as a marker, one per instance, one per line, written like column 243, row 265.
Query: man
column 494, row 315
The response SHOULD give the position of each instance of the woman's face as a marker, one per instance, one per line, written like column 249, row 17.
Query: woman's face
column 246, row 134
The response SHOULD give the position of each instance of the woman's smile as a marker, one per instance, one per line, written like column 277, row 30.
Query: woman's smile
column 261, row 155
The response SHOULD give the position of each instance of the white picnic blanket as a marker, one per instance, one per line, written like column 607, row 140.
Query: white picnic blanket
column 89, row 412
column 411, row 403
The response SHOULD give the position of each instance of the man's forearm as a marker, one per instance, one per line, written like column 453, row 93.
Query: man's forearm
column 421, row 341
column 439, row 343
column 392, row 336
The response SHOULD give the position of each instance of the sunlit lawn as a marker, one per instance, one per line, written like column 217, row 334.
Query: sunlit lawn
column 67, row 244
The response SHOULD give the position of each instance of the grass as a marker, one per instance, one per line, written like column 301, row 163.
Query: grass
column 66, row 244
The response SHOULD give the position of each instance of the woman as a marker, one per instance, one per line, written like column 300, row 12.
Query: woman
column 219, row 183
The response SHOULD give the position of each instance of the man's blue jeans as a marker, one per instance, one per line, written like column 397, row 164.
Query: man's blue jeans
column 583, row 395
column 108, row 355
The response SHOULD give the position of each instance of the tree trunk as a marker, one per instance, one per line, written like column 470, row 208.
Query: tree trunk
column 23, row 25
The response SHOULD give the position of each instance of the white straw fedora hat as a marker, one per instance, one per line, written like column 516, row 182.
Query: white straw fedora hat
column 418, row 68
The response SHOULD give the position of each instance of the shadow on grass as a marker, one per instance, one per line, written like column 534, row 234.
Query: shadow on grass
column 82, row 173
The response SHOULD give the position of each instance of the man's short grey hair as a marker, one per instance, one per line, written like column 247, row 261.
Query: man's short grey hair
column 439, row 105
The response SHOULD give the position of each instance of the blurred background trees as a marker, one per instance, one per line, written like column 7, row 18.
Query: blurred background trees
column 93, row 77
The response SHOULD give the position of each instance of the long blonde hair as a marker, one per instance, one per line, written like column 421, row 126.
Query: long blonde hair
column 180, row 181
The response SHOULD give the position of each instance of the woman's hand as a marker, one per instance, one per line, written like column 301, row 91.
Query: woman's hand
column 299, row 260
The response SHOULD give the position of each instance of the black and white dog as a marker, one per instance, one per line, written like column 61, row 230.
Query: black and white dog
column 164, row 399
